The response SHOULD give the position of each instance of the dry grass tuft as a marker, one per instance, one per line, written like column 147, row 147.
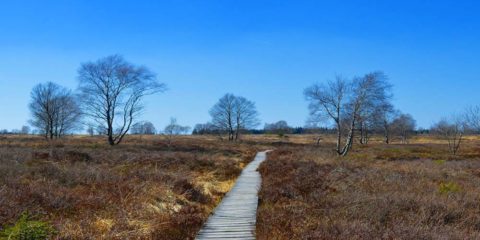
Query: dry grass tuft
column 143, row 189
column 379, row 192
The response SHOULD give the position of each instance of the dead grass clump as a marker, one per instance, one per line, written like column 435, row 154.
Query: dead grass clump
column 228, row 170
column 190, row 191
column 40, row 155
column 138, row 190
column 308, row 194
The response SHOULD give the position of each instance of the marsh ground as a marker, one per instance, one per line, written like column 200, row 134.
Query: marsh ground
column 148, row 189
column 142, row 189
column 396, row 191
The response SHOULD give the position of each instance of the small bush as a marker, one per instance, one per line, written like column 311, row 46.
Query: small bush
column 86, row 182
column 40, row 155
column 191, row 192
column 449, row 187
column 76, row 156
column 25, row 229
column 439, row 162
column 227, row 170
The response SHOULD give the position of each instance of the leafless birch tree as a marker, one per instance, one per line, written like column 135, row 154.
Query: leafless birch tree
column 223, row 115
column 232, row 114
column 472, row 118
column 246, row 115
column 112, row 91
column 54, row 110
column 387, row 115
column 452, row 130
column 327, row 102
column 404, row 125
column 173, row 129
column 348, row 103
column 368, row 92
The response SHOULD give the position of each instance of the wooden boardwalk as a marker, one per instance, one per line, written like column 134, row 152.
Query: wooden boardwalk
column 236, row 216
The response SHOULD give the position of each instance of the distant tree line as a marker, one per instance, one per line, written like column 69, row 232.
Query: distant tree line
column 210, row 129
column 109, row 101
column 143, row 128
column 25, row 130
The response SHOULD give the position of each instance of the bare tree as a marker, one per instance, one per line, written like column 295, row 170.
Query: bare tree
column 68, row 115
column 232, row 114
column 173, row 129
column 452, row 130
column 223, row 115
column 327, row 102
column 137, row 128
column 25, row 130
column 101, row 129
column 377, row 118
column 246, row 115
column 280, row 128
column 387, row 115
column 205, row 128
column 404, row 125
column 144, row 128
column 348, row 104
column 112, row 91
column 472, row 118
column 149, row 128
column 90, row 131
column 54, row 110
column 369, row 92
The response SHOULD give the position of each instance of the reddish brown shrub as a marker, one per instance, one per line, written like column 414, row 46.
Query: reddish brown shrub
column 137, row 190
column 307, row 193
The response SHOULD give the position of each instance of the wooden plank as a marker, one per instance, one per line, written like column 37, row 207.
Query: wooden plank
column 236, row 216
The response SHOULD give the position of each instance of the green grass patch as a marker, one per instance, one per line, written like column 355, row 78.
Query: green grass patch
column 27, row 229
column 449, row 187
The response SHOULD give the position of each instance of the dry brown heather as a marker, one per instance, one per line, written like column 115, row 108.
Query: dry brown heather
column 141, row 189
column 414, row 191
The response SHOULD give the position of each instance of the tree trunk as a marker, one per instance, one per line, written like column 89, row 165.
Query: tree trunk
column 362, row 133
column 349, row 143
column 111, row 142
column 231, row 135
column 387, row 137
column 367, row 137
column 404, row 137
column 386, row 132
column 339, row 138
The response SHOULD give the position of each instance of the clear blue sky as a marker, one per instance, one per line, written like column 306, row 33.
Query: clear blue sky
column 267, row 51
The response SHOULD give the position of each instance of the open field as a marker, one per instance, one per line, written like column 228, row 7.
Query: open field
column 245, row 120
column 147, row 189
column 414, row 191
column 142, row 189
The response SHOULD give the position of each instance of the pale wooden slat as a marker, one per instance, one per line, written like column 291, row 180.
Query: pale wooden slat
column 235, row 217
